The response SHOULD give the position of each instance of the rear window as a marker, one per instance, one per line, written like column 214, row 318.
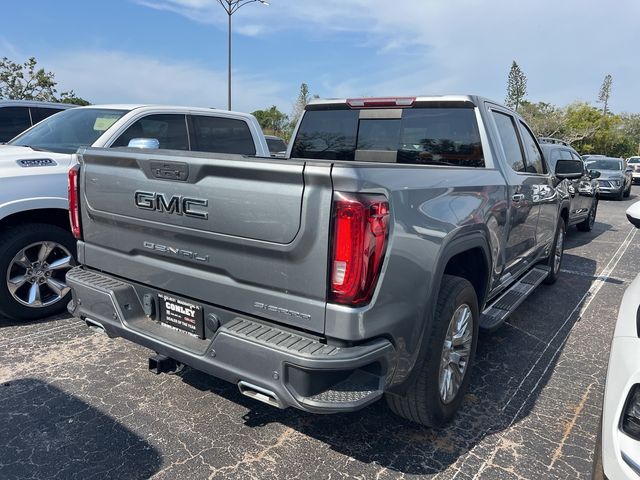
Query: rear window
column 421, row 136
column 13, row 120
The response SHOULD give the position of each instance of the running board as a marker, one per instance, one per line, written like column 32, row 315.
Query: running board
column 497, row 313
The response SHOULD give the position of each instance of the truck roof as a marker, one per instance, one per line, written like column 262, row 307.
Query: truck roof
column 176, row 108
column 35, row 103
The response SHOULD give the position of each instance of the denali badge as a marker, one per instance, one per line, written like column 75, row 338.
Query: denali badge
column 178, row 252
column 176, row 204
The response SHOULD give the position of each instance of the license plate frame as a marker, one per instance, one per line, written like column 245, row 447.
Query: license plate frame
column 182, row 315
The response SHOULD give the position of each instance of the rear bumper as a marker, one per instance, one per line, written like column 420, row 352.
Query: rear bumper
column 290, row 368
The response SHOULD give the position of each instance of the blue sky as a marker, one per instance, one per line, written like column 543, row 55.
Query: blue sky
column 174, row 51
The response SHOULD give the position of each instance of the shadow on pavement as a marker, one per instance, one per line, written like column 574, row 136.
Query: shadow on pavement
column 496, row 399
column 47, row 433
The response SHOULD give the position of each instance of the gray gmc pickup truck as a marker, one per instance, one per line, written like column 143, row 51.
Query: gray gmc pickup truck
column 364, row 263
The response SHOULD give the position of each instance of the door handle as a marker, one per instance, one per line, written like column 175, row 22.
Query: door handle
column 518, row 197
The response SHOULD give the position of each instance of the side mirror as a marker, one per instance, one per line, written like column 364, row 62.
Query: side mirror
column 628, row 169
column 594, row 174
column 633, row 214
column 569, row 169
column 144, row 143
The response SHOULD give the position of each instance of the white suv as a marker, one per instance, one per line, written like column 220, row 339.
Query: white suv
column 36, row 245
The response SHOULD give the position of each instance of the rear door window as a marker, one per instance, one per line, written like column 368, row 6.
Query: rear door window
column 13, row 120
column 422, row 136
column 510, row 142
column 221, row 135
column 169, row 129
column 39, row 113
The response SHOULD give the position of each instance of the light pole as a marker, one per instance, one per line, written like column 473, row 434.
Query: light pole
column 231, row 7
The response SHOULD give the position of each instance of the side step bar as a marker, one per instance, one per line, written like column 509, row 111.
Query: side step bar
column 497, row 313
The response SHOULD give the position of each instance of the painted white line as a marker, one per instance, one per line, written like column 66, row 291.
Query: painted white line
column 581, row 307
column 596, row 285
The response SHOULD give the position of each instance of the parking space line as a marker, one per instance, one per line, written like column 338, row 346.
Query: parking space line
column 581, row 307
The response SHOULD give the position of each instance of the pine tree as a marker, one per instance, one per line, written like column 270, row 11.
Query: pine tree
column 605, row 93
column 516, row 87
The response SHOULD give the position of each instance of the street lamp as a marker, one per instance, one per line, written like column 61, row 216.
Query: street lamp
column 231, row 7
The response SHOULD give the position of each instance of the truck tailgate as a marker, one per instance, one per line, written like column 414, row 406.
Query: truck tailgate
column 242, row 233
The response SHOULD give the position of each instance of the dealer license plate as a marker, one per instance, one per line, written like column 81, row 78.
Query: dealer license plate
column 180, row 314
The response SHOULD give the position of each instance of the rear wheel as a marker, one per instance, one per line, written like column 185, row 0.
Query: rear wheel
column 587, row 224
column 557, row 252
column 443, row 372
column 34, row 259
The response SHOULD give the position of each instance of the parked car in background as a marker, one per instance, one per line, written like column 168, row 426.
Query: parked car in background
column 362, row 265
column 615, row 177
column 36, row 244
column 617, row 455
column 583, row 193
column 634, row 164
column 18, row 115
column 277, row 146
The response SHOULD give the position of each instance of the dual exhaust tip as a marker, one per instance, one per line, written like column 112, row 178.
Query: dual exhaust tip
column 162, row 364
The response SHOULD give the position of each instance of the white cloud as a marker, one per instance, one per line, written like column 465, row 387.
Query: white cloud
column 464, row 46
column 119, row 77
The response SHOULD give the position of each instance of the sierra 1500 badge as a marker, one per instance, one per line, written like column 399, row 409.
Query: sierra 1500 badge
column 174, row 204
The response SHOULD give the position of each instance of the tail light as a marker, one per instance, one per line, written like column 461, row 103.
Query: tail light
column 74, row 201
column 360, row 230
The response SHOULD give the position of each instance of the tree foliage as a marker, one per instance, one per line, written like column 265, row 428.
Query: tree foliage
column 516, row 87
column 273, row 121
column 586, row 127
column 25, row 81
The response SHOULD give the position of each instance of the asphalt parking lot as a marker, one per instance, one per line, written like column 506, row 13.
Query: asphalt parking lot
column 74, row 404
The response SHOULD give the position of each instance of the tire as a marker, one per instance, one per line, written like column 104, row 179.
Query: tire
column 587, row 224
column 627, row 192
column 35, row 241
column 620, row 195
column 552, row 263
column 423, row 401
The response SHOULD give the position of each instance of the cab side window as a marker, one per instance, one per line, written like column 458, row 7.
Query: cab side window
column 535, row 163
column 169, row 129
column 510, row 142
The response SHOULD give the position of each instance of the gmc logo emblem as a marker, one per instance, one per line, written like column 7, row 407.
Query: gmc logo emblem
column 175, row 204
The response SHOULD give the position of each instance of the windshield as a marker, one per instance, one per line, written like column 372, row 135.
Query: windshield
column 605, row 164
column 66, row 131
column 276, row 145
column 634, row 160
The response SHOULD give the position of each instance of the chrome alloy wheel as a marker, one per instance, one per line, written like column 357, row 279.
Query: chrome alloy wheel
column 455, row 353
column 35, row 277
column 557, row 254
